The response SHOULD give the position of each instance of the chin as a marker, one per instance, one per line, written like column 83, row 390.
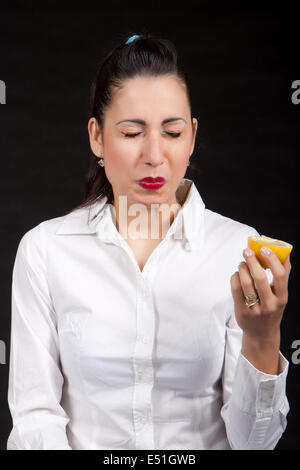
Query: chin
column 151, row 199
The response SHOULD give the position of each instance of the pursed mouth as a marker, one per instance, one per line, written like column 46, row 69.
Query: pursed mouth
column 150, row 179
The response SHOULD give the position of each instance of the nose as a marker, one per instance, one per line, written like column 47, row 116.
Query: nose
column 153, row 151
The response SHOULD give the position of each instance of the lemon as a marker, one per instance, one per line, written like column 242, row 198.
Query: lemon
column 281, row 249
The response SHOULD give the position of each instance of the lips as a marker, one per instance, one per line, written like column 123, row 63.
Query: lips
column 149, row 179
column 152, row 184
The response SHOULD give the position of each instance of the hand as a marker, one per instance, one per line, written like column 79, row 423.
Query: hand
column 261, row 322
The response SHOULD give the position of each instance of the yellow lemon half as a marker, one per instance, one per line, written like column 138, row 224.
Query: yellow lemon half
column 281, row 249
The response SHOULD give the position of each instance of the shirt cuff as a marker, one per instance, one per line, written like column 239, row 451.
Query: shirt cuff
column 257, row 393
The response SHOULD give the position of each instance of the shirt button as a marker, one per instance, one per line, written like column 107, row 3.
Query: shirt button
column 143, row 339
column 143, row 378
column 144, row 419
column 187, row 246
column 144, row 292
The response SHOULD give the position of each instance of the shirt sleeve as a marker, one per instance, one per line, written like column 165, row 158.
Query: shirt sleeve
column 35, row 378
column 255, row 405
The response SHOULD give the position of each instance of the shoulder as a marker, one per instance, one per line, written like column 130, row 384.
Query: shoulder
column 48, row 226
column 226, row 237
column 74, row 221
column 221, row 226
column 32, row 244
column 78, row 221
column 35, row 239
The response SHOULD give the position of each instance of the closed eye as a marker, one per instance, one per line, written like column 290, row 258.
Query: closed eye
column 131, row 135
column 172, row 134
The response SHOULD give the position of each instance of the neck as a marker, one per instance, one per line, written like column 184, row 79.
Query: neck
column 139, row 221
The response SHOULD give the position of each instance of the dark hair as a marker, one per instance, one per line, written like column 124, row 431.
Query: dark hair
column 143, row 56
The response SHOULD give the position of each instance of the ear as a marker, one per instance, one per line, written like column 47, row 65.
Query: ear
column 195, row 127
column 95, row 137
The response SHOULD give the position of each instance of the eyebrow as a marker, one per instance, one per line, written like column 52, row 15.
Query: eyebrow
column 143, row 123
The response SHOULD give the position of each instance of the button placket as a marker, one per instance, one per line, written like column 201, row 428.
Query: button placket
column 143, row 339
column 142, row 377
column 145, row 417
column 143, row 367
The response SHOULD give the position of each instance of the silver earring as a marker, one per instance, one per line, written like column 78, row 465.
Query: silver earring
column 189, row 162
column 101, row 162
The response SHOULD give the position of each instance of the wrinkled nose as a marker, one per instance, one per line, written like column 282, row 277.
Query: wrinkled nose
column 153, row 151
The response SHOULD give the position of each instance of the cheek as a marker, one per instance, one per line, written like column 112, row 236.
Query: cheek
column 180, row 157
column 118, row 154
column 119, row 165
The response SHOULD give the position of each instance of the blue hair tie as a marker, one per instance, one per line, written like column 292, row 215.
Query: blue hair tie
column 132, row 38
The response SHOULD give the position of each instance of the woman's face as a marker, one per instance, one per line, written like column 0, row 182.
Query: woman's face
column 133, row 151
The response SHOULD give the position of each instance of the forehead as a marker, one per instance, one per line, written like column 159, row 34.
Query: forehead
column 164, row 93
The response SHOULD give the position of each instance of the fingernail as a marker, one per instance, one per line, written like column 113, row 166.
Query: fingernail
column 248, row 252
column 265, row 250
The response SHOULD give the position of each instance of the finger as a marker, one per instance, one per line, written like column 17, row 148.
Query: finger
column 287, row 265
column 237, row 292
column 247, row 282
column 246, row 279
column 259, row 276
column 280, row 272
column 239, row 296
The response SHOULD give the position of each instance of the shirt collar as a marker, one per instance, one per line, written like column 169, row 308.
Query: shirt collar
column 99, row 218
column 188, row 224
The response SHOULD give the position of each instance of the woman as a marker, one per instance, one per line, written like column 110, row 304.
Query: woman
column 131, row 328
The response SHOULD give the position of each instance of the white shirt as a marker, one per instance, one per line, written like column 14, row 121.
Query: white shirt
column 106, row 356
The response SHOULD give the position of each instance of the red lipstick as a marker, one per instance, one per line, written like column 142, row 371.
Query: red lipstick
column 151, row 183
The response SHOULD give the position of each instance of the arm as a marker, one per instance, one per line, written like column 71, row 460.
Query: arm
column 261, row 322
column 260, row 366
column 35, row 378
column 255, row 404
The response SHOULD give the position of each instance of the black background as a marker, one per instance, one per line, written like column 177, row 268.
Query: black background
column 241, row 60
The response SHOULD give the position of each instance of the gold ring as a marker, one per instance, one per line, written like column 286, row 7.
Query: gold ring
column 251, row 300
